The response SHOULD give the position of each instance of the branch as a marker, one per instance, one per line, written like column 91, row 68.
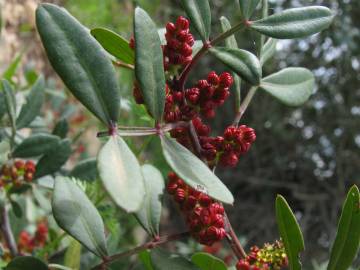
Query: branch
column 121, row 64
column 244, row 105
column 7, row 232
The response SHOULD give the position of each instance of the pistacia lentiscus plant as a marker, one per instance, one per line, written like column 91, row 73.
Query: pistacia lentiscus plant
column 161, row 60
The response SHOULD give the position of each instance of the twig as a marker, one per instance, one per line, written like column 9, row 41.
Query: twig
column 121, row 64
column 234, row 241
column 244, row 105
column 7, row 232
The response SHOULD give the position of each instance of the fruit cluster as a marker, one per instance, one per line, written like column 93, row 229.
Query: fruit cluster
column 27, row 243
column 17, row 173
column 204, row 216
column 270, row 257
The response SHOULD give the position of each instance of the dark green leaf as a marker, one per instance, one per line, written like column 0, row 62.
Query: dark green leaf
column 290, row 232
column 150, row 214
column 200, row 16
column 294, row 23
column 149, row 67
column 292, row 86
column 16, row 209
column 10, row 102
column 114, row 44
column 121, row 174
column 80, row 62
column 2, row 105
column 347, row 240
column 162, row 260
column 85, row 170
column 248, row 7
column 10, row 71
column 33, row 104
column 26, row 263
column 19, row 189
column 268, row 50
column 54, row 159
column 76, row 215
column 145, row 258
column 244, row 63
column 206, row 261
column 194, row 172
column 36, row 145
column 61, row 128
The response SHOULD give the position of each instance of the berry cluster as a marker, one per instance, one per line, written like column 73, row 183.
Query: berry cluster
column 270, row 257
column 17, row 173
column 27, row 244
column 204, row 216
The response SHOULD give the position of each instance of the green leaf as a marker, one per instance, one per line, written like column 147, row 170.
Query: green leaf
column 242, row 62
column 61, row 128
column 231, row 42
column 162, row 260
column 114, row 44
column 268, row 50
column 76, row 215
column 248, row 7
column 295, row 22
column 145, row 258
column 33, row 104
column 80, row 61
column 292, row 86
column 149, row 67
column 73, row 255
column 121, row 174
column 206, row 261
column 150, row 214
column 19, row 189
column 26, row 262
column 194, row 172
column 347, row 240
column 200, row 16
column 12, row 68
column 10, row 102
column 16, row 209
column 2, row 105
column 85, row 170
column 290, row 232
column 52, row 161
column 36, row 145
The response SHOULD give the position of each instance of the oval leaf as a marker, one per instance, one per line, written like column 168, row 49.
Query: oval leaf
column 2, row 105
column 242, row 62
column 206, row 261
column 26, row 262
column 248, row 7
column 85, row 170
column 10, row 102
column 36, row 145
column 292, row 86
column 149, row 67
column 76, row 215
column 121, row 174
column 290, row 232
column 114, row 44
column 53, row 159
column 33, row 104
column 80, row 62
column 200, row 15
column 162, row 260
column 61, row 128
column 268, row 50
column 295, row 22
column 150, row 214
column 194, row 172
column 347, row 240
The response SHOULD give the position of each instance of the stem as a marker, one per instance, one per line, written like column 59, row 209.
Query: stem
column 121, row 64
column 244, row 105
column 234, row 241
column 264, row 13
column 7, row 232
column 237, row 27
column 149, row 245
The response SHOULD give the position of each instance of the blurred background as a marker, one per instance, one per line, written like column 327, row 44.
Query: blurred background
column 311, row 155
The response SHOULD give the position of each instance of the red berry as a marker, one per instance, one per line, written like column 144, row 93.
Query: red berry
column 213, row 78
column 19, row 164
column 226, row 80
column 242, row 265
column 179, row 195
column 182, row 23
column 170, row 27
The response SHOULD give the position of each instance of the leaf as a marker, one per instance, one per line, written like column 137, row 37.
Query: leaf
column 121, row 174
column 290, row 232
column 231, row 42
column 54, row 159
column 12, row 68
column 26, row 262
column 10, row 102
column 150, row 214
column 149, row 69
column 16, row 209
column 242, row 62
column 85, row 170
column 248, row 7
column 162, row 260
column 80, row 62
column 36, row 145
column 206, row 261
column 295, row 22
column 200, row 16
column 268, row 50
column 76, row 215
column 2, row 105
column 33, row 104
column 73, row 255
column 347, row 240
column 19, row 189
column 292, row 86
column 61, row 128
column 114, row 44
column 145, row 258
column 194, row 172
